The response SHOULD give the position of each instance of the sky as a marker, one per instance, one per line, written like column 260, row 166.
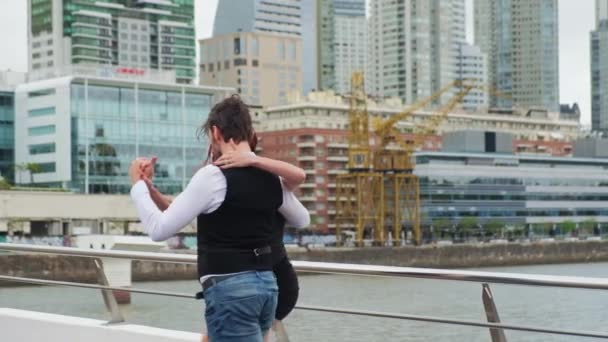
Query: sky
column 576, row 20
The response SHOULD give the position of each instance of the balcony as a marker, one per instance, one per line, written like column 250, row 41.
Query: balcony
column 338, row 158
column 308, row 186
column 306, row 144
column 309, row 171
column 307, row 158
column 337, row 145
column 336, row 172
column 331, row 185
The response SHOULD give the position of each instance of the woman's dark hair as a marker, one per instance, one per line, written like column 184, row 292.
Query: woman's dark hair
column 231, row 116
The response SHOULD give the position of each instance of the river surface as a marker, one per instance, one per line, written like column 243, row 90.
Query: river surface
column 547, row 307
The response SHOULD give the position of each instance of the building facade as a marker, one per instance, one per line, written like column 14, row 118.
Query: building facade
column 265, row 68
column 599, row 69
column 318, row 20
column 144, row 34
column 514, row 190
column 7, row 135
column 8, row 81
column 83, row 131
column 520, row 39
column 471, row 67
column 276, row 16
column 412, row 47
column 350, row 42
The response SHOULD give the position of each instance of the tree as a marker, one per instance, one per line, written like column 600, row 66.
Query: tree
column 4, row 185
column 466, row 225
column 33, row 168
column 568, row 227
column 493, row 227
column 441, row 224
column 588, row 226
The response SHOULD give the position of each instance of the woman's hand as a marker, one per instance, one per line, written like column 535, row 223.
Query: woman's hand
column 236, row 159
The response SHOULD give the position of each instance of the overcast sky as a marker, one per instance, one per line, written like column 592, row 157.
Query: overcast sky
column 576, row 20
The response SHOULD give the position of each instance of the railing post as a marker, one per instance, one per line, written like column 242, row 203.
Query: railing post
column 497, row 335
column 108, row 297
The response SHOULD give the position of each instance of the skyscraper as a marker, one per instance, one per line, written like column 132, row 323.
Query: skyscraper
column 412, row 47
column 599, row 69
column 144, row 34
column 350, row 41
column 278, row 16
column 601, row 11
column 520, row 38
column 318, row 43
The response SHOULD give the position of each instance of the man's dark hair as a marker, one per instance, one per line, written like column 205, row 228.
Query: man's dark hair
column 232, row 117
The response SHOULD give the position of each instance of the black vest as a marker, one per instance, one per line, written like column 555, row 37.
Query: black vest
column 246, row 220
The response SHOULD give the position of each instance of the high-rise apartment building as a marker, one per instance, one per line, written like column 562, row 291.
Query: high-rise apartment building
column 277, row 16
column 601, row 11
column 471, row 67
column 411, row 46
column 318, row 41
column 350, row 41
column 143, row 34
column 265, row 68
column 520, row 39
column 599, row 69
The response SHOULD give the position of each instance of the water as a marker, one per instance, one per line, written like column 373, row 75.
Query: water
column 547, row 307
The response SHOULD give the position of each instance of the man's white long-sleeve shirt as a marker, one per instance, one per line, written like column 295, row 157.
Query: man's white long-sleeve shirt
column 204, row 194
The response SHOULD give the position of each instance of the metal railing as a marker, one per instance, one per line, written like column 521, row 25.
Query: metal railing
column 496, row 328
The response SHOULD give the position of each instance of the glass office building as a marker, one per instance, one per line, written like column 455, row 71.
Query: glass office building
column 84, row 132
column 523, row 190
column 7, row 142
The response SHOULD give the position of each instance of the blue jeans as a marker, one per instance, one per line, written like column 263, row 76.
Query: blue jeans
column 241, row 308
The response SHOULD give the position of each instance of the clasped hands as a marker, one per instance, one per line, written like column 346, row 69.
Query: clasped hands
column 143, row 168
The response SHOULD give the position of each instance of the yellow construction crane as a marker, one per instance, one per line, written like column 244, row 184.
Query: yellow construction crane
column 380, row 187
column 360, row 192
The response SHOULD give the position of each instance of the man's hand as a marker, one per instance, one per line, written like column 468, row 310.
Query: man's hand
column 135, row 170
column 236, row 159
column 142, row 169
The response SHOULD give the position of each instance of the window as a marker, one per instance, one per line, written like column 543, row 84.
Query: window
column 133, row 58
column 124, row 57
column 291, row 50
column 144, row 27
column 124, row 46
column 45, row 168
column 282, row 50
column 319, row 179
column 42, row 148
column 237, row 46
column 124, row 36
column 133, row 36
column 255, row 50
column 42, row 92
column 226, row 65
column 41, row 111
column 124, row 25
column 144, row 37
column 41, row 130
column 99, row 131
column 49, row 63
column 133, row 47
column 133, row 26
column 240, row 61
column 144, row 59
column 254, row 62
